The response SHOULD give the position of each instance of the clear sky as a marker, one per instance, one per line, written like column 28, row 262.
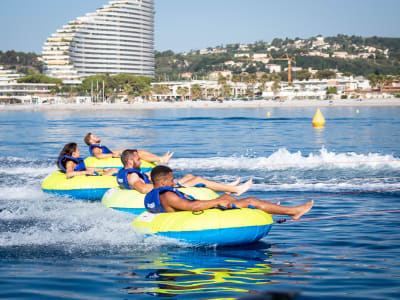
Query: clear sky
column 182, row 25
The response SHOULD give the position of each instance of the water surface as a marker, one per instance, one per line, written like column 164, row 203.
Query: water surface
column 58, row 248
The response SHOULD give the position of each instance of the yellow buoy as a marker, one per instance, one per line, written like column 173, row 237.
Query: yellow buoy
column 357, row 111
column 268, row 114
column 318, row 120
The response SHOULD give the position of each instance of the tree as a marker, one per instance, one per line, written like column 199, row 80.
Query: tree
column 372, row 79
column 302, row 75
column 182, row 91
column 39, row 78
column 236, row 78
column 325, row 74
column 331, row 90
column 251, row 69
column 159, row 89
column 264, row 78
column 196, row 90
column 211, row 92
column 226, row 90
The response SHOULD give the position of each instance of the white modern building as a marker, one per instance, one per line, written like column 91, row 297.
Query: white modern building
column 117, row 38
column 11, row 89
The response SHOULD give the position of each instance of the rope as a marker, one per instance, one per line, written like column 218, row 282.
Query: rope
column 336, row 194
column 334, row 180
column 339, row 216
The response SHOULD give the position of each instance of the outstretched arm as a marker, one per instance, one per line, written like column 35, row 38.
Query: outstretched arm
column 171, row 202
column 70, row 166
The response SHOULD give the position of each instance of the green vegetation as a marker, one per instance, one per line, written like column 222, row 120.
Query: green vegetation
column 331, row 90
column 169, row 65
column 26, row 63
column 39, row 78
column 325, row 74
column 113, row 85
column 380, row 64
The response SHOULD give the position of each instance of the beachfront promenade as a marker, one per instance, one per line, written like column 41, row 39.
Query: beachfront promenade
column 206, row 104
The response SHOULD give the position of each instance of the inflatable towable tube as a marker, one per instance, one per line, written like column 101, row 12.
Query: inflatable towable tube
column 114, row 162
column 132, row 201
column 208, row 227
column 79, row 187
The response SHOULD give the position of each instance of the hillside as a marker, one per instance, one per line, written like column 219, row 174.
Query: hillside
column 351, row 54
column 27, row 63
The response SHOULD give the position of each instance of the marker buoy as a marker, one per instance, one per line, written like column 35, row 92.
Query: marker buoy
column 318, row 120
column 357, row 111
column 268, row 114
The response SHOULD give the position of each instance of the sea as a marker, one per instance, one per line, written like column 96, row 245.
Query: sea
column 346, row 247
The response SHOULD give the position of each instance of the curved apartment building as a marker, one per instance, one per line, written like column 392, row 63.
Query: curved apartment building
column 117, row 38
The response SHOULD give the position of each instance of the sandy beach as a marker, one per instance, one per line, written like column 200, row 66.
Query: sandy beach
column 206, row 104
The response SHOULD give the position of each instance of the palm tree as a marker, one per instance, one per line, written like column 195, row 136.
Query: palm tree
column 253, row 80
column 227, row 89
column 211, row 92
column 196, row 90
column 182, row 91
column 236, row 78
column 221, row 82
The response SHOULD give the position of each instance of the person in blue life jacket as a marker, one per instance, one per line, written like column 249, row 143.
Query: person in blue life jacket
column 70, row 163
column 130, row 177
column 100, row 151
column 165, row 198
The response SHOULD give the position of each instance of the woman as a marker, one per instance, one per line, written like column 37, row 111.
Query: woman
column 70, row 163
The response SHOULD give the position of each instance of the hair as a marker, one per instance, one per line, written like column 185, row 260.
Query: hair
column 159, row 172
column 87, row 138
column 126, row 155
column 67, row 150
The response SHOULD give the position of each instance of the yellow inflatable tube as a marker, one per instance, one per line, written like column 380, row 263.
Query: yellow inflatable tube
column 208, row 227
column 80, row 187
column 114, row 162
column 132, row 201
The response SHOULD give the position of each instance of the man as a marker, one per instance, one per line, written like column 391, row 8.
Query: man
column 165, row 198
column 130, row 177
column 101, row 151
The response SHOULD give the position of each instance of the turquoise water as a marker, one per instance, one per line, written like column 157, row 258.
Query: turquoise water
column 57, row 248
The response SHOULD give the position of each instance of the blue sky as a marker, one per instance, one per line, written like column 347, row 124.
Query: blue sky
column 182, row 25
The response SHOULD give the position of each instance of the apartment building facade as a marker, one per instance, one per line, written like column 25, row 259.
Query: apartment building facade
column 117, row 38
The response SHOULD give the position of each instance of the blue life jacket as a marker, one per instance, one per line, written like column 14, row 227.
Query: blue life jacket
column 104, row 149
column 122, row 177
column 80, row 164
column 152, row 200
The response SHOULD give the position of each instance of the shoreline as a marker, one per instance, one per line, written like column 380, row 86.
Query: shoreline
column 206, row 104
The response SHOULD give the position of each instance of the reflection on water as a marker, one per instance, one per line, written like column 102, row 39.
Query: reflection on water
column 227, row 270
column 319, row 135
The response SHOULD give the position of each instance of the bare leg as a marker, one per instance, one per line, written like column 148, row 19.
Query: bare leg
column 295, row 212
column 166, row 157
column 236, row 182
column 191, row 180
column 143, row 154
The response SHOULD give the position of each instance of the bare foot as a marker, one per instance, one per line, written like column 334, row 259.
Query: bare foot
column 236, row 182
column 302, row 209
column 240, row 189
column 166, row 157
